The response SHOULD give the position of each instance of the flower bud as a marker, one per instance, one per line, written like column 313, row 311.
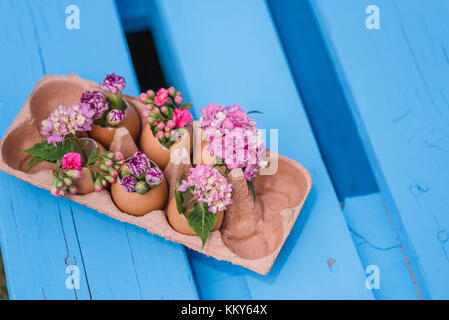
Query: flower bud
column 164, row 110
column 171, row 91
column 98, row 186
column 73, row 174
column 142, row 187
column 115, row 117
column 113, row 173
column 119, row 156
column 160, row 134
column 54, row 192
column 178, row 100
column 108, row 154
column 109, row 179
column 150, row 93
column 143, row 97
column 67, row 181
column 109, row 163
column 73, row 190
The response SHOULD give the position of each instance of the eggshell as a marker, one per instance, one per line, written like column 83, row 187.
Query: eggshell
column 179, row 222
column 140, row 204
column 155, row 150
column 132, row 123
column 85, row 183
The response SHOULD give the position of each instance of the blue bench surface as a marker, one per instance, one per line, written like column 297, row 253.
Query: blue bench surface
column 399, row 99
column 229, row 52
column 394, row 83
column 40, row 234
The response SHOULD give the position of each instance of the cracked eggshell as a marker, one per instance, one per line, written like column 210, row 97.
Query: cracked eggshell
column 132, row 123
column 155, row 150
column 140, row 204
column 85, row 183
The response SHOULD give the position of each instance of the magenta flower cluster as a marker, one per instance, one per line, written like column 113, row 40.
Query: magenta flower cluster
column 138, row 172
column 113, row 84
column 234, row 138
column 209, row 186
column 65, row 121
column 154, row 176
column 97, row 102
column 115, row 117
column 129, row 183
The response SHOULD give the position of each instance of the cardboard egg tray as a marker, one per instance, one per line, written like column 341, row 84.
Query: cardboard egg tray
column 252, row 234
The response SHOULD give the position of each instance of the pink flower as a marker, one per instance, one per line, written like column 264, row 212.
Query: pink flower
column 178, row 100
column 71, row 161
column 161, row 97
column 143, row 97
column 171, row 91
column 182, row 117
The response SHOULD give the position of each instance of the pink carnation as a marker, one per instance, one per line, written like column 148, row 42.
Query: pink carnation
column 72, row 161
column 161, row 97
column 182, row 117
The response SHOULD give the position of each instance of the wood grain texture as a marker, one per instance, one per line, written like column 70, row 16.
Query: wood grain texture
column 229, row 52
column 328, row 108
column 378, row 245
column 395, row 79
column 40, row 234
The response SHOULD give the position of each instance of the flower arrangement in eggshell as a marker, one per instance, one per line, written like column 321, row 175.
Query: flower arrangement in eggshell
column 111, row 110
column 168, row 119
column 141, row 186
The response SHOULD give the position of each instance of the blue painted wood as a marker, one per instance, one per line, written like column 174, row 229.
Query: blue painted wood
column 378, row 244
column 330, row 114
column 133, row 14
column 324, row 100
column 395, row 82
column 229, row 52
column 38, row 232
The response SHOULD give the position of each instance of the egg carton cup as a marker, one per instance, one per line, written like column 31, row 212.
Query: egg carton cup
column 252, row 233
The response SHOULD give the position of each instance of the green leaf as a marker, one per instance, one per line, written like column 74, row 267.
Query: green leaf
column 93, row 155
column 187, row 106
column 49, row 152
column 202, row 221
column 92, row 175
column 255, row 111
column 179, row 197
column 251, row 186
column 34, row 161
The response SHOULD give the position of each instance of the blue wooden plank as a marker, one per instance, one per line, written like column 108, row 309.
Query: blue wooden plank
column 116, row 260
column 395, row 81
column 324, row 100
column 133, row 14
column 36, row 233
column 229, row 52
column 343, row 152
column 368, row 221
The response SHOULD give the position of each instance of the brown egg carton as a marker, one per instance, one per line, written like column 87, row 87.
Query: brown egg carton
column 252, row 234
